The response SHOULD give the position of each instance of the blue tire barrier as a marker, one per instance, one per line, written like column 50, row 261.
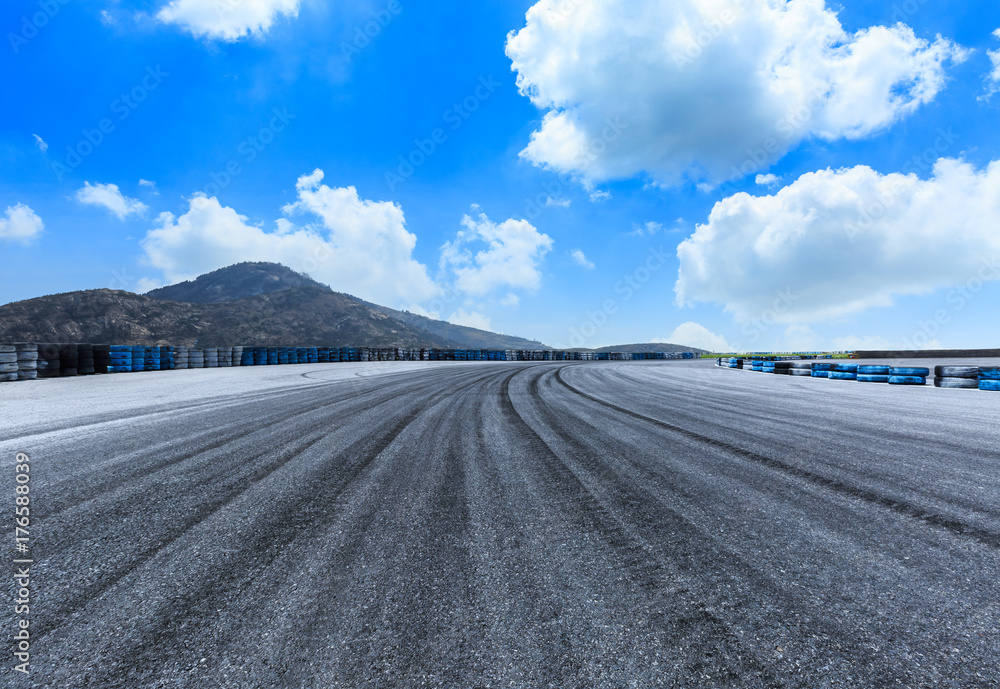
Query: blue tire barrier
column 989, row 373
column 272, row 356
column 843, row 375
column 872, row 378
column 820, row 374
column 956, row 383
column 845, row 368
column 821, row 367
column 989, row 384
column 907, row 380
column 112, row 368
column 873, row 370
column 909, row 371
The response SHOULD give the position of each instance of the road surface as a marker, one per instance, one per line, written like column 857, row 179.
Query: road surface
column 506, row 525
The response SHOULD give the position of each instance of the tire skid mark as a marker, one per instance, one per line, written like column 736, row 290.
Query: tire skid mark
column 906, row 509
column 300, row 516
column 644, row 502
column 147, row 469
column 681, row 615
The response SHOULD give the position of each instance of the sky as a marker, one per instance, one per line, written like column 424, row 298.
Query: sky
column 745, row 175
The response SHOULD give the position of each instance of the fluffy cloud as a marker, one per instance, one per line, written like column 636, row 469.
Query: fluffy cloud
column 354, row 245
column 838, row 242
column 709, row 89
column 226, row 20
column 20, row 224
column 470, row 320
column 767, row 180
column 581, row 259
column 109, row 196
column 697, row 336
column 993, row 79
column 512, row 256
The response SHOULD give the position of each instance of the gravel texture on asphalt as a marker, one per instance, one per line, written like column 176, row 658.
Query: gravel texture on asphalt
column 506, row 525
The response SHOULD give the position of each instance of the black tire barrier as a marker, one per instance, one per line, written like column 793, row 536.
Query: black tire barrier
column 8, row 357
column 8, row 349
column 872, row 378
column 196, row 358
column 957, row 383
column 8, row 377
column 802, row 372
column 9, row 368
column 956, row 372
column 907, row 380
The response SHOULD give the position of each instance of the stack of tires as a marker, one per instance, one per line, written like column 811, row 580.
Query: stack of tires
column 167, row 360
column 102, row 358
column 196, row 358
column 48, row 361
column 821, row 370
column 225, row 357
column 211, row 357
column 843, row 372
column 780, row 368
column 247, row 358
column 873, row 374
column 956, row 377
column 757, row 365
column 8, row 363
column 27, row 361
column 69, row 359
column 119, row 359
column 989, row 378
column 181, row 358
column 85, row 360
column 138, row 358
column 237, row 356
column 152, row 359
column 800, row 368
column 260, row 356
column 905, row 375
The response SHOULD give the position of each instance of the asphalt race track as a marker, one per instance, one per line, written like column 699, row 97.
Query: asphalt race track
column 505, row 525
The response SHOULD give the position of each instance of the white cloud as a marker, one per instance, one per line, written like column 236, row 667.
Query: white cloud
column 40, row 142
column 355, row 245
column 993, row 78
column 151, row 185
column 471, row 320
column 109, row 196
column 226, row 20
column 648, row 228
column 107, row 18
column 511, row 300
column 839, row 242
column 512, row 257
column 581, row 259
column 694, row 89
column 561, row 203
column 20, row 224
column 767, row 180
column 698, row 336
column 801, row 338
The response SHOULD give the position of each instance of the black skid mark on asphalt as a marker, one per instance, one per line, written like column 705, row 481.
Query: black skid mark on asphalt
column 708, row 644
column 954, row 526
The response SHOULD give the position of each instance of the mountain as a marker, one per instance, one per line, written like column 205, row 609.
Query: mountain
column 262, row 304
column 650, row 347
column 240, row 281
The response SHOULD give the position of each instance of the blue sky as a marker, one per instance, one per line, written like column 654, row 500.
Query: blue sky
column 729, row 174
